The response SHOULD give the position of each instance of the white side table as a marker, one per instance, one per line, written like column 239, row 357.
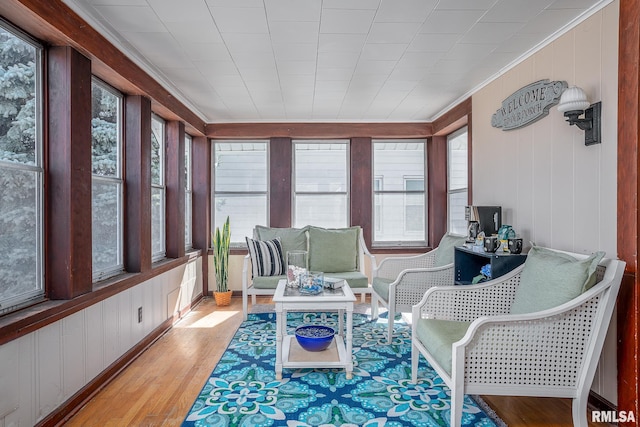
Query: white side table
column 289, row 354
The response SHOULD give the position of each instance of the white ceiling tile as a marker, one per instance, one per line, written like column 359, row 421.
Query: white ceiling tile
column 179, row 11
column 409, row 74
column 235, row 3
column 194, row 32
column 350, row 4
column 289, row 68
column 519, row 43
column 305, row 81
column 392, row 32
column 346, row 21
column 550, row 20
column 341, row 42
column 253, row 59
column 337, row 59
column 404, row 10
column 300, row 32
column 375, row 67
column 267, row 76
column 433, row 42
column 159, row 44
column 465, row 4
column 451, row 21
column 494, row 32
column 247, row 43
column 218, row 68
column 135, row 19
column 293, row 10
column 295, row 52
column 119, row 2
column 334, row 73
column 515, row 10
column 382, row 52
column 463, row 51
column 419, row 59
column 206, row 51
column 225, row 82
column 240, row 20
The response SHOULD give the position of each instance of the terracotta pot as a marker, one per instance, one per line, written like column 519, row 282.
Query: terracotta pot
column 222, row 298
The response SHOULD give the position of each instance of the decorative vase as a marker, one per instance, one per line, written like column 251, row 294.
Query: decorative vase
column 296, row 267
column 223, row 298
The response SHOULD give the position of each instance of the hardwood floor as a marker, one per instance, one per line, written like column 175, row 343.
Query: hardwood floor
column 159, row 387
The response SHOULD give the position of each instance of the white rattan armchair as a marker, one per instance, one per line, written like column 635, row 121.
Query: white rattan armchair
column 550, row 353
column 406, row 279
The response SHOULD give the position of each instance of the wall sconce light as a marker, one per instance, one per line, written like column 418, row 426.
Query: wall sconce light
column 573, row 103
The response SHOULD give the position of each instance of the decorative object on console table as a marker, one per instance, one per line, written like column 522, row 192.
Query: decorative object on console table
column 467, row 264
column 220, row 243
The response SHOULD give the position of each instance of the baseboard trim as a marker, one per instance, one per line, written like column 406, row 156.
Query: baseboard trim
column 600, row 403
column 72, row 405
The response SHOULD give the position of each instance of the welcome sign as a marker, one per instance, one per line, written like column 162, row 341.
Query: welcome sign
column 528, row 104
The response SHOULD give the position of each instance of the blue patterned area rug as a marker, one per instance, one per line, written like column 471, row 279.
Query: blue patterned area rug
column 243, row 390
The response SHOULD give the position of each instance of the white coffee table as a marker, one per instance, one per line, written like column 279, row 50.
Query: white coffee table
column 289, row 354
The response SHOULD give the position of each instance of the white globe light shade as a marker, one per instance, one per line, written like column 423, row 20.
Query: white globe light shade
column 572, row 99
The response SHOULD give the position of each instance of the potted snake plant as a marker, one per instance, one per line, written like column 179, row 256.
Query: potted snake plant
column 221, row 241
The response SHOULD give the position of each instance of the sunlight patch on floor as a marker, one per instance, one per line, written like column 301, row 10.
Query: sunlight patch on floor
column 211, row 320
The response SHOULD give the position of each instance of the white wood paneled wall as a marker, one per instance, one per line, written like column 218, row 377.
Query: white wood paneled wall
column 41, row 370
column 554, row 190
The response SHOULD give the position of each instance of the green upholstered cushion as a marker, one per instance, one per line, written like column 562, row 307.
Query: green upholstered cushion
column 437, row 336
column 550, row 279
column 267, row 282
column 355, row 279
column 292, row 239
column 381, row 286
column 444, row 254
column 333, row 249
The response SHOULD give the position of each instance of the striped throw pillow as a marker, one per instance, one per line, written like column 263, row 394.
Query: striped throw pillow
column 266, row 257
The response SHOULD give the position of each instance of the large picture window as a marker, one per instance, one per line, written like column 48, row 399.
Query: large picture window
column 399, row 192
column 321, row 180
column 107, row 184
column 21, row 172
column 241, row 182
column 158, row 189
column 457, row 191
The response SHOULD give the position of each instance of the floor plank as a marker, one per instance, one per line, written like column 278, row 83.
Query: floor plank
column 159, row 387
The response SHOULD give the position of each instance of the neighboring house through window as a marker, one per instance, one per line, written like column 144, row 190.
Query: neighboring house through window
column 321, row 183
column 457, row 171
column 400, row 210
column 241, row 177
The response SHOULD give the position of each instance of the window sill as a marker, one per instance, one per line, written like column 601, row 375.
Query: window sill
column 29, row 319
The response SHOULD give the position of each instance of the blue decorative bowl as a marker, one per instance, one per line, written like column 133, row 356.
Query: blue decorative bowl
column 314, row 337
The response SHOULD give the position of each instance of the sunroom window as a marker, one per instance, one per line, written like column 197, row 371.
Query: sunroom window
column 107, row 182
column 241, row 182
column 399, row 212
column 457, row 161
column 158, row 189
column 321, row 182
column 21, row 171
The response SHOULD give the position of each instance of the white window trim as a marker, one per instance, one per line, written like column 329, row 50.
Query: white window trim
column 188, row 190
column 453, row 135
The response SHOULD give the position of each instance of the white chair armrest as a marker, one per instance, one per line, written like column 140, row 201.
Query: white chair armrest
column 391, row 267
column 412, row 284
column 245, row 271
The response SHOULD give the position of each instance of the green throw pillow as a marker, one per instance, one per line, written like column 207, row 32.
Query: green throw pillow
column 292, row 239
column 551, row 278
column 333, row 250
column 444, row 254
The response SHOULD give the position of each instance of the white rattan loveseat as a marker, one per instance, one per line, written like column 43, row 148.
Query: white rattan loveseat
column 399, row 283
column 469, row 336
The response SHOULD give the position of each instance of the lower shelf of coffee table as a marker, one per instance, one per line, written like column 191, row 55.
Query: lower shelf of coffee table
column 294, row 356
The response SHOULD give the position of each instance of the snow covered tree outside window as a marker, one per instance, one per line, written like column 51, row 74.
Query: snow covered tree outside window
column 21, row 174
column 158, row 244
column 107, row 211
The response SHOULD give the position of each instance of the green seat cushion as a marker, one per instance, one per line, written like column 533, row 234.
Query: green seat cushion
column 445, row 253
column 355, row 279
column 437, row 336
column 292, row 239
column 333, row 249
column 550, row 279
column 381, row 286
column 267, row 282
